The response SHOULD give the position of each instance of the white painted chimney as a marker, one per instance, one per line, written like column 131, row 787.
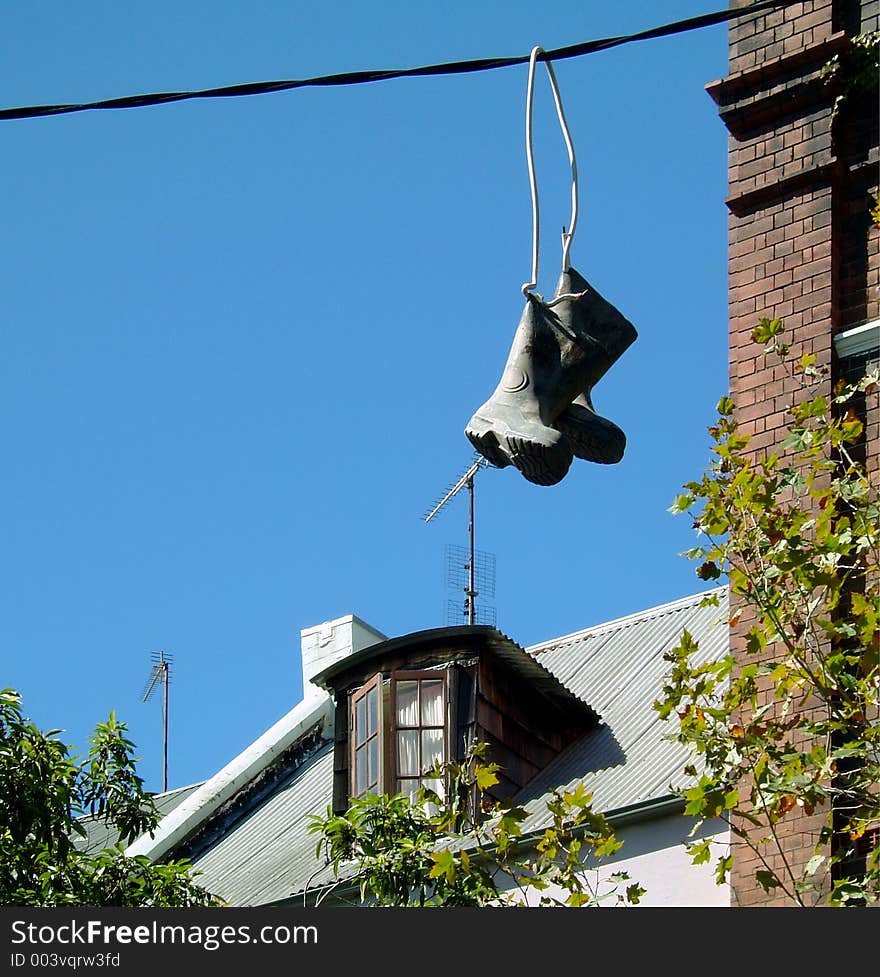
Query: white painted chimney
column 324, row 644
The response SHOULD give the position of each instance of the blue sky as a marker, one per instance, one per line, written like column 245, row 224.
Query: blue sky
column 242, row 338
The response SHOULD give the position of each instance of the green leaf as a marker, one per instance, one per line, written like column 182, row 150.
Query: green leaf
column 485, row 776
column 700, row 852
column 681, row 504
column 444, row 865
column 634, row 893
column 766, row 330
column 722, row 869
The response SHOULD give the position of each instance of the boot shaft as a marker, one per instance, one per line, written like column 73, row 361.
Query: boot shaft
column 594, row 324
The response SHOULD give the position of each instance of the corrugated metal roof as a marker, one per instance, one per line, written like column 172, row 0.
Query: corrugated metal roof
column 100, row 834
column 616, row 668
column 269, row 855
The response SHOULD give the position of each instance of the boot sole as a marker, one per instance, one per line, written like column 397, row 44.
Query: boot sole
column 599, row 440
column 487, row 444
column 537, row 463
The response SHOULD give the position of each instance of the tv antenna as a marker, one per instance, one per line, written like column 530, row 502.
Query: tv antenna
column 478, row 567
column 160, row 673
column 477, row 581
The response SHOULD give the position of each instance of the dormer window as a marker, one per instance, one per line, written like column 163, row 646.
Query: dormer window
column 406, row 704
column 419, row 729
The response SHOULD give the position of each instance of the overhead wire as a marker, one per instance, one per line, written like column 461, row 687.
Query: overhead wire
column 365, row 77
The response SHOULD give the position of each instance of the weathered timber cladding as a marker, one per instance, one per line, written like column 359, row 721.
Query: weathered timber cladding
column 524, row 730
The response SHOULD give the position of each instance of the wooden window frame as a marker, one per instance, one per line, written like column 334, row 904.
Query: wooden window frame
column 375, row 683
column 419, row 675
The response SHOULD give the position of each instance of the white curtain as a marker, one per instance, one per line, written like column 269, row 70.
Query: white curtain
column 432, row 702
column 408, row 753
column 408, row 787
column 437, row 787
column 432, row 747
column 407, row 703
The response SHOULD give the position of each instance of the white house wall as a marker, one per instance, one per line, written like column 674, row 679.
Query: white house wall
column 654, row 855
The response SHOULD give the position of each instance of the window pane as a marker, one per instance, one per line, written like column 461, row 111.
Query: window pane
column 372, row 751
column 360, row 722
column 437, row 787
column 408, row 787
column 432, row 747
column 432, row 702
column 360, row 782
column 434, row 784
column 407, row 703
column 372, row 710
column 408, row 752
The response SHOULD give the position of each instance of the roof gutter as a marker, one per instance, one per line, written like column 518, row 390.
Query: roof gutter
column 188, row 816
column 657, row 807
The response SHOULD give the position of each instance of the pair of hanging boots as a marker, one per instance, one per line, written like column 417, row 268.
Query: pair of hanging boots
column 541, row 414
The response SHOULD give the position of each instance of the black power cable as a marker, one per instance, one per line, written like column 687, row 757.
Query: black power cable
column 363, row 77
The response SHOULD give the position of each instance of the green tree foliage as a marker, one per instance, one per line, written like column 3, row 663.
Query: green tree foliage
column 43, row 792
column 856, row 72
column 465, row 849
column 795, row 725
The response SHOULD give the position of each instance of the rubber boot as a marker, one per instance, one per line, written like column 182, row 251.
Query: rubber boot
column 608, row 334
column 514, row 426
column 590, row 436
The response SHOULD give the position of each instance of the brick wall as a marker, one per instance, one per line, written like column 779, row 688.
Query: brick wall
column 802, row 247
column 754, row 41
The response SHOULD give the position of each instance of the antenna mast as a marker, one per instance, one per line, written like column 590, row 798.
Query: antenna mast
column 160, row 673
column 471, row 593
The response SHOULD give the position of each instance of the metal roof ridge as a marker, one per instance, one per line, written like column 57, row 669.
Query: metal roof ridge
column 625, row 621
column 194, row 810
